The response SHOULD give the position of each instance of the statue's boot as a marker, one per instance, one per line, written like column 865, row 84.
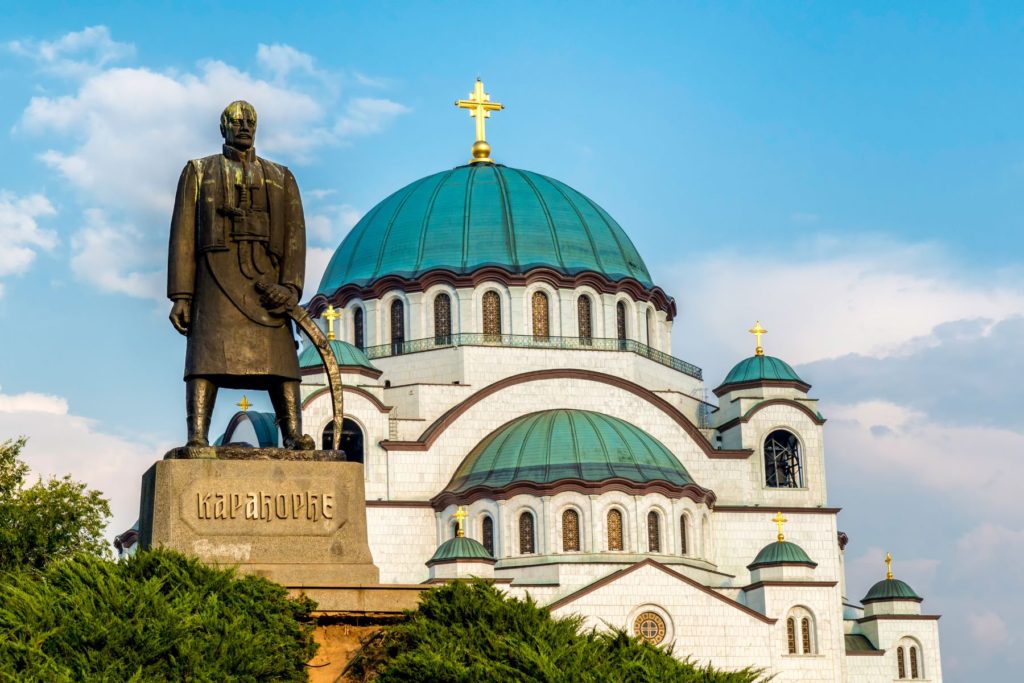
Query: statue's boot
column 200, row 395
column 287, row 406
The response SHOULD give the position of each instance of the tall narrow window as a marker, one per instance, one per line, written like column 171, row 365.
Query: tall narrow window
column 541, row 324
column 585, row 319
column 570, row 531
column 653, row 532
column 791, row 635
column 901, row 665
column 442, row 320
column 620, row 324
column 913, row 662
column 488, row 535
column 492, row 316
column 782, row 466
column 526, row 545
column 614, row 530
column 397, row 327
column 683, row 533
column 805, row 634
column 357, row 328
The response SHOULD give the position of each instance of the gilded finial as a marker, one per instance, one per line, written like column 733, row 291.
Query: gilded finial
column 888, row 566
column 480, row 107
column 244, row 404
column 779, row 521
column 330, row 316
column 757, row 331
column 460, row 515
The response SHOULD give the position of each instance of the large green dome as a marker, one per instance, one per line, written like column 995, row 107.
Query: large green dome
column 482, row 215
column 555, row 445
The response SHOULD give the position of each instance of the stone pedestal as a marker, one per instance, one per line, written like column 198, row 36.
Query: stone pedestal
column 296, row 522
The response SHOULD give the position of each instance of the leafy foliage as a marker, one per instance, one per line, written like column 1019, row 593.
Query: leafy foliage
column 156, row 616
column 471, row 633
column 48, row 520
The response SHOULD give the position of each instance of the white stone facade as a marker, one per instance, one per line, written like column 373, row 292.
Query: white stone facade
column 429, row 409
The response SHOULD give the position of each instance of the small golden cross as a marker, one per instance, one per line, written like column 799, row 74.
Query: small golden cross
column 888, row 566
column 757, row 331
column 480, row 107
column 330, row 316
column 779, row 521
column 244, row 404
column 460, row 515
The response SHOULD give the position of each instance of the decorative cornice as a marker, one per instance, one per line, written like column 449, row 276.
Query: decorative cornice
column 768, row 509
column 378, row 288
column 438, row 427
column 572, row 597
column 897, row 617
column 464, row 560
column 399, row 504
column 352, row 390
column 747, row 416
column 759, row 384
column 692, row 491
column 908, row 599
column 345, row 370
column 790, row 584
column 865, row 653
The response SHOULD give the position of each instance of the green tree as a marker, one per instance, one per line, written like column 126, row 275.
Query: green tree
column 48, row 520
column 472, row 633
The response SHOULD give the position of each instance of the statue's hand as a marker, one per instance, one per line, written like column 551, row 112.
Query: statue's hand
column 181, row 315
column 276, row 298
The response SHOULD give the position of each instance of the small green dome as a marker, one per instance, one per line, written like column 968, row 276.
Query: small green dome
column 460, row 548
column 345, row 353
column 781, row 552
column 482, row 215
column 760, row 369
column 554, row 445
column 891, row 589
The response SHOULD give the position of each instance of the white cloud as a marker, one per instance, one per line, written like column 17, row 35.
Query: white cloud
column 112, row 258
column 63, row 443
column 20, row 234
column 74, row 54
column 366, row 116
column 992, row 545
column 332, row 223
column 989, row 629
column 868, row 567
column 317, row 259
column 282, row 60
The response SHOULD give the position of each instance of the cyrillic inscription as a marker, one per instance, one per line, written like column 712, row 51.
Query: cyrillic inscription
column 260, row 505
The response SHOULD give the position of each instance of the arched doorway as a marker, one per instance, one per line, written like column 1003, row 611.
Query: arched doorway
column 351, row 441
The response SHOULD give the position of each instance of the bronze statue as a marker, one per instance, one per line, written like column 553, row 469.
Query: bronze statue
column 235, row 270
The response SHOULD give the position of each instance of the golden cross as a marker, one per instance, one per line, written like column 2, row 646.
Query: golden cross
column 480, row 107
column 244, row 404
column 460, row 515
column 779, row 521
column 888, row 566
column 330, row 316
column 757, row 331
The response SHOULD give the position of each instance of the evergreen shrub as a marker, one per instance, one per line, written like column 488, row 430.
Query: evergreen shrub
column 469, row 632
column 155, row 616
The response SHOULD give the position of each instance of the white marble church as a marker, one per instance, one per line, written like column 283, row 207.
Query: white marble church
column 505, row 351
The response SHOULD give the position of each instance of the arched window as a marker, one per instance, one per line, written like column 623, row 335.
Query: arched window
column 526, row 545
column 397, row 327
column 913, row 662
column 800, row 636
column 620, row 324
column 351, row 442
column 782, row 466
column 570, row 531
column 442, row 320
column 492, row 316
column 585, row 319
column 359, row 337
column 488, row 534
column 541, row 324
column 901, row 664
column 909, row 662
column 684, row 531
column 653, row 532
column 614, row 530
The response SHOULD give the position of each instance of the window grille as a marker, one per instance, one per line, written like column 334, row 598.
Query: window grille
column 805, row 632
column 357, row 324
column 782, row 462
column 682, row 534
column 913, row 662
column 791, row 635
column 526, row 545
column 653, row 532
column 488, row 535
column 614, row 530
column 570, row 531
column 492, row 316
column 901, row 667
column 442, row 319
column 397, row 327
column 649, row 626
column 620, row 322
column 585, row 321
column 541, row 324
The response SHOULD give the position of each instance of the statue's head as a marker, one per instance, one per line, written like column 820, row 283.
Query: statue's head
column 238, row 125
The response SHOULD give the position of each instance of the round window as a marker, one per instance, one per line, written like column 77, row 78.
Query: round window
column 650, row 627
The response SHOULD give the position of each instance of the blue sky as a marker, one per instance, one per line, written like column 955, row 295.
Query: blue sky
column 851, row 175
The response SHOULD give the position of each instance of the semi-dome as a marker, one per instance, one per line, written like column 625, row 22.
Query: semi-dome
column 346, row 354
column 781, row 553
column 471, row 217
column 760, row 368
column 460, row 548
column 890, row 589
column 577, row 445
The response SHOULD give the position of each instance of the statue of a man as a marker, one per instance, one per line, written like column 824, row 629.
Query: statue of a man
column 238, row 223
